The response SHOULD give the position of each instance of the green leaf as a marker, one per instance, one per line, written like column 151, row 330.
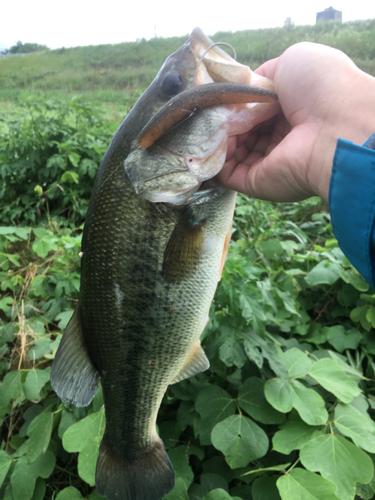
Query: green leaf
column 25, row 475
column 356, row 425
column 309, row 404
column 293, row 436
column 39, row 432
column 85, row 437
column 301, row 484
column 69, row 493
column 43, row 245
column 342, row 339
column 210, row 482
column 232, row 353
column 22, row 480
column 272, row 249
column 63, row 318
column 251, row 399
column 5, row 463
column 264, row 488
column 40, row 489
column 332, row 377
column 10, row 389
column 354, row 279
column 179, row 492
column 74, row 159
column 297, row 362
column 240, row 439
column 6, row 304
column 34, row 383
column 179, row 458
column 278, row 393
column 358, row 315
column 70, row 176
column 218, row 494
column 370, row 316
column 213, row 404
column 366, row 491
column 326, row 272
column 340, row 461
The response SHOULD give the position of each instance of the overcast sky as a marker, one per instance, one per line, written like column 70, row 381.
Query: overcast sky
column 69, row 23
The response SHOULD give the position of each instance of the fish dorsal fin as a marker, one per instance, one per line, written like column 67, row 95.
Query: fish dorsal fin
column 197, row 362
column 184, row 248
column 73, row 376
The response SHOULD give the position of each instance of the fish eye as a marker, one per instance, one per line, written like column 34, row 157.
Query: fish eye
column 172, row 84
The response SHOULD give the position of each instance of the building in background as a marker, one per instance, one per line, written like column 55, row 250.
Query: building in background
column 288, row 22
column 329, row 14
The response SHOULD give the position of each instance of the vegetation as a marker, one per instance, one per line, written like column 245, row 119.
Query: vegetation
column 114, row 71
column 285, row 410
column 25, row 48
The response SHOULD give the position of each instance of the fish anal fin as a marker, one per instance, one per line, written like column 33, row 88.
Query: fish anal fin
column 144, row 476
column 184, row 249
column 197, row 362
column 73, row 376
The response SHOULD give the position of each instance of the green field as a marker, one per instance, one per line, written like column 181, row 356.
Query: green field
column 111, row 73
column 286, row 410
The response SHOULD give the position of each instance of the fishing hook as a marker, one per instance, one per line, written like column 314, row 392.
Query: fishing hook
column 205, row 52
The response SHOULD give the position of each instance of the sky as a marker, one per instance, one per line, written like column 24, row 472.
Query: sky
column 70, row 23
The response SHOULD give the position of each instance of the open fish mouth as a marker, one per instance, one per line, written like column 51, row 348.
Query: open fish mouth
column 189, row 101
column 183, row 144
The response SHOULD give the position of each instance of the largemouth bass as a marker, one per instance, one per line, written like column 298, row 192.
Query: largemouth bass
column 154, row 243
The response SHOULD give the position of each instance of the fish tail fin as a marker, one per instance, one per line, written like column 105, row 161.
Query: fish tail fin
column 147, row 476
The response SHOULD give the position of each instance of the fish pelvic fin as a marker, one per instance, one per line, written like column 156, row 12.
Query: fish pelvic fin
column 147, row 476
column 197, row 362
column 73, row 376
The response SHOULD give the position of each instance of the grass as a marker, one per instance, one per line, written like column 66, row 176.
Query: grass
column 114, row 74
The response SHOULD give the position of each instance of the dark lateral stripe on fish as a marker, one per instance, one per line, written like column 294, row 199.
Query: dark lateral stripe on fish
column 200, row 97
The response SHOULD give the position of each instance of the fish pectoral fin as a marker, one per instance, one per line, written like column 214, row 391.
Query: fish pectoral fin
column 184, row 249
column 73, row 376
column 197, row 362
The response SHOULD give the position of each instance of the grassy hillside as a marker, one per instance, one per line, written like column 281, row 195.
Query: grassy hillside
column 111, row 71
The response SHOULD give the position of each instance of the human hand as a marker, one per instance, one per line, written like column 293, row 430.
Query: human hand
column 323, row 96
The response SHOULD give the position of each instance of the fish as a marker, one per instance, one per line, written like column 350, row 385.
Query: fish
column 155, row 239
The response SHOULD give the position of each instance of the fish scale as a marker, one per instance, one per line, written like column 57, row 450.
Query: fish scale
column 154, row 242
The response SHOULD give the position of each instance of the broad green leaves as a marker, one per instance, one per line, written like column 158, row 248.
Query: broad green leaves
column 356, row 425
column 303, row 484
column 293, row 435
column 240, row 439
column 25, row 475
column 290, row 346
column 5, row 463
column 284, row 394
column 39, row 432
column 252, row 400
column 213, row 405
column 85, row 437
column 333, row 378
column 35, row 381
column 339, row 461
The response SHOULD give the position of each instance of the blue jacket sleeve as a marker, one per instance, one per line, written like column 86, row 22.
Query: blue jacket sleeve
column 352, row 204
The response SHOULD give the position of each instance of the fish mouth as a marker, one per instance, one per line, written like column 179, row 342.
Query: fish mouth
column 215, row 89
column 189, row 101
